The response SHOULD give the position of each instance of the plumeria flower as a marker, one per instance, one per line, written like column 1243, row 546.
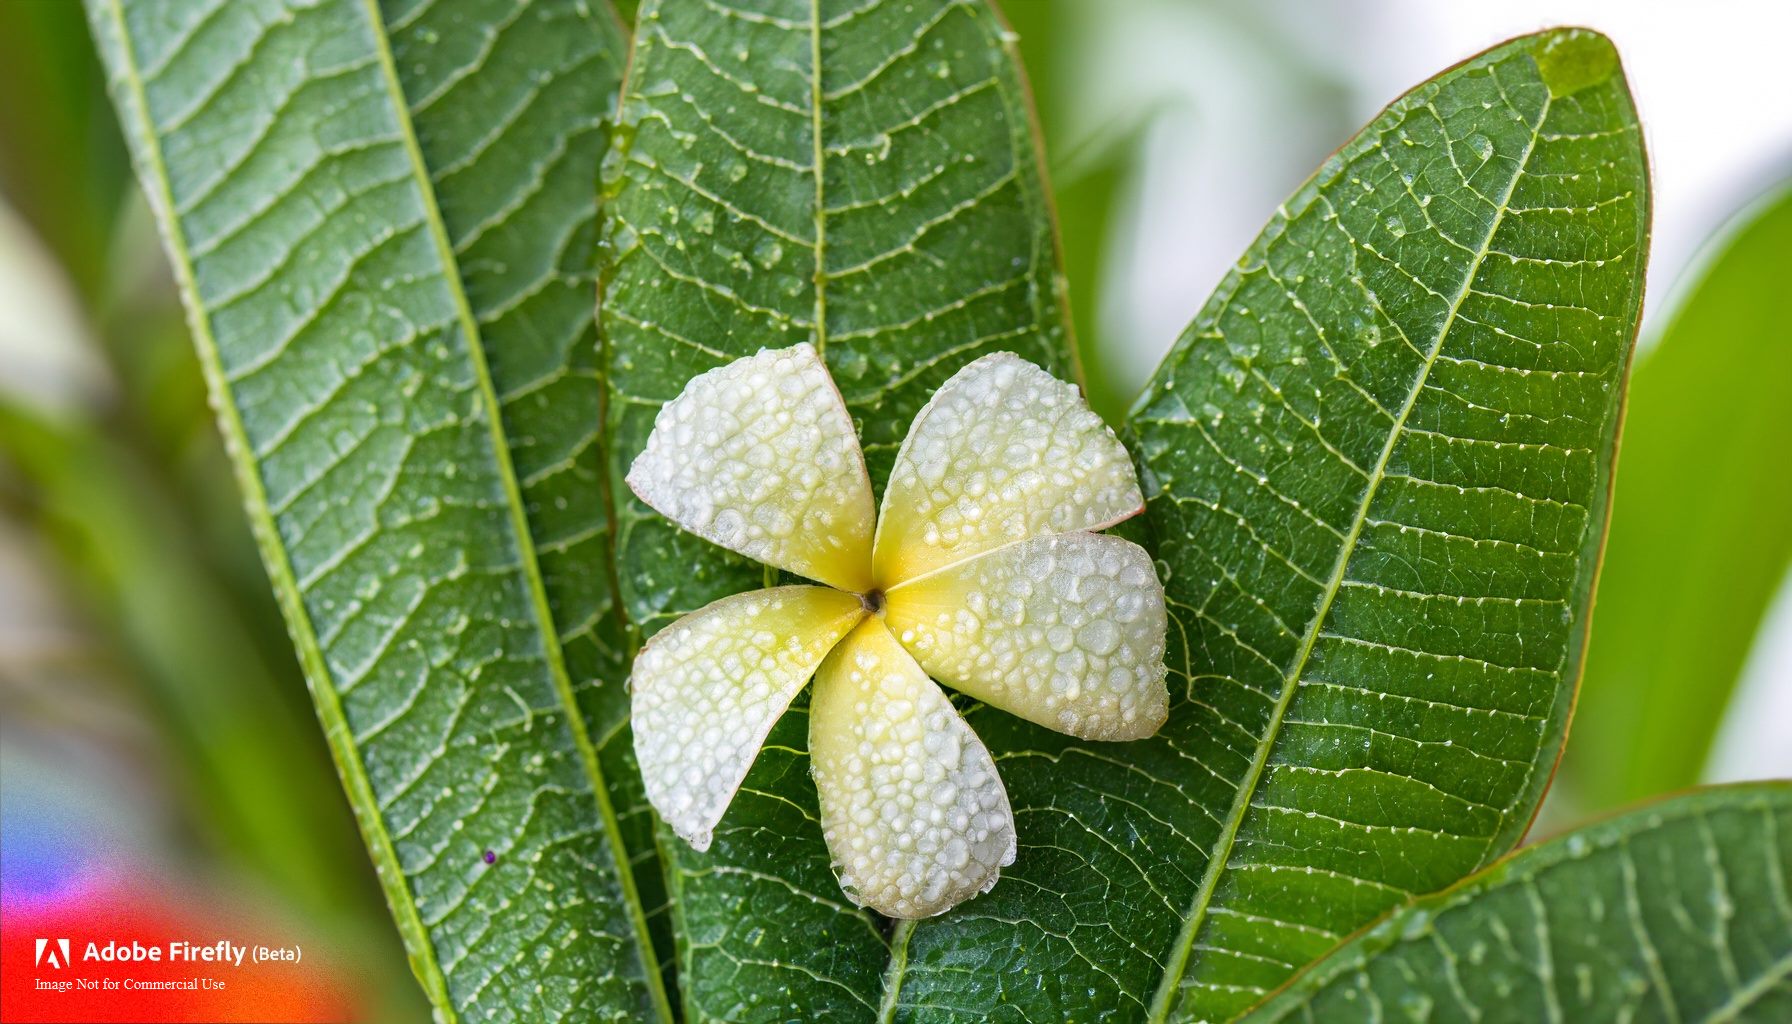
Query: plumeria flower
column 981, row 572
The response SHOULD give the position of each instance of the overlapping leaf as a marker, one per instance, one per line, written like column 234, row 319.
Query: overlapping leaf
column 1679, row 911
column 1377, row 466
column 861, row 176
column 383, row 220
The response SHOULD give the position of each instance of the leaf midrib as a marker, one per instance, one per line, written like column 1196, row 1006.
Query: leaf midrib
column 343, row 752
column 518, row 515
column 1171, row 982
column 1523, row 868
column 821, row 216
column 894, row 971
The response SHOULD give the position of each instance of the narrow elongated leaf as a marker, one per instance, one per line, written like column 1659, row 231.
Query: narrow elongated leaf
column 862, row 177
column 1678, row 911
column 1377, row 468
column 1700, row 543
column 382, row 220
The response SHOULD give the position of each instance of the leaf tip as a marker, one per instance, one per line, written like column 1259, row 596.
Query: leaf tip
column 1569, row 60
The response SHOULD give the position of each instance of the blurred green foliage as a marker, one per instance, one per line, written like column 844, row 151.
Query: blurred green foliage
column 1085, row 176
column 62, row 161
column 1701, row 532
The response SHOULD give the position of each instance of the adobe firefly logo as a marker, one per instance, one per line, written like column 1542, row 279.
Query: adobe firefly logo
column 52, row 952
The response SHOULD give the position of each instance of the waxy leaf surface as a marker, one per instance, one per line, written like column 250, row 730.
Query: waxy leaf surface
column 1677, row 911
column 862, row 177
column 383, row 220
column 1376, row 470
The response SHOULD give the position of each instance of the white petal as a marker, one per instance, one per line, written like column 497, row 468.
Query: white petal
column 914, row 813
column 1065, row 631
column 707, row 689
column 760, row 457
column 1002, row 452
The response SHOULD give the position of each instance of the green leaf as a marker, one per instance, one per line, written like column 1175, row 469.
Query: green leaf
column 864, row 178
column 1677, row 911
column 383, row 222
column 1377, row 467
column 1699, row 545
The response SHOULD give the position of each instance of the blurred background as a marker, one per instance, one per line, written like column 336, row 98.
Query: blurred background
column 156, row 735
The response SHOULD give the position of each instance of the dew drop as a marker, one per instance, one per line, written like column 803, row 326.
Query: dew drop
column 768, row 252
